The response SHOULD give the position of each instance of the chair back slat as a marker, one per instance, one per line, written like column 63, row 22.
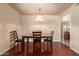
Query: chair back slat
column 13, row 38
column 36, row 35
column 11, row 35
column 15, row 35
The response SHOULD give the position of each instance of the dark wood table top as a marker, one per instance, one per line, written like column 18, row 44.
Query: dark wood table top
column 41, row 36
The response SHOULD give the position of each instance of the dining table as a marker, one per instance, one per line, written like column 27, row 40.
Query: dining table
column 27, row 37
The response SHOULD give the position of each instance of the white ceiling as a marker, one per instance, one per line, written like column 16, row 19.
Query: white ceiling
column 46, row 8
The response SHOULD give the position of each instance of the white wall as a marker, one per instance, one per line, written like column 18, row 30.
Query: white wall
column 74, row 29
column 9, row 20
column 48, row 24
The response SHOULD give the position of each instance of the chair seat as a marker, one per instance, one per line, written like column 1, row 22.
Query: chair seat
column 37, row 40
column 47, row 40
column 18, row 40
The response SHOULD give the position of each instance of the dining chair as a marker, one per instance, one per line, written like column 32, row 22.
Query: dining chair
column 36, row 41
column 15, row 42
column 48, row 43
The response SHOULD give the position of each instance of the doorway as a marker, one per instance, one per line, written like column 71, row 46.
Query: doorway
column 65, row 31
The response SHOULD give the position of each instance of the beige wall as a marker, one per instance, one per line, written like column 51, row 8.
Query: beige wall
column 74, row 29
column 9, row 20
column 46, row 25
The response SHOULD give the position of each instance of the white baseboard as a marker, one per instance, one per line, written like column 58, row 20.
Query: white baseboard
column 74, row 50
column 56, row 41
column 3, row 51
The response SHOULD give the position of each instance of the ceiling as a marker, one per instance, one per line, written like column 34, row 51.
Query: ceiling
column 46, row 8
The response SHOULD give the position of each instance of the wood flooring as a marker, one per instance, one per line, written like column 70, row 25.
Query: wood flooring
column 59, row 49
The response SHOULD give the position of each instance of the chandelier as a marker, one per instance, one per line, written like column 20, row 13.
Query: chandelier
column 39, row 17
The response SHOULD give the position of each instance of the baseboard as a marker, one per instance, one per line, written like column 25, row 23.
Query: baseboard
column 56, row 41
column 65, row 44
column 5, row 50
column 74, row 50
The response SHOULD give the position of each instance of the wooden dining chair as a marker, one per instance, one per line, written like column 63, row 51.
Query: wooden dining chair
column 48, row 43
column 15, row 42
column 36, row 42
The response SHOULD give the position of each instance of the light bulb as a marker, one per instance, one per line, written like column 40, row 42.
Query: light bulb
column 39, row 18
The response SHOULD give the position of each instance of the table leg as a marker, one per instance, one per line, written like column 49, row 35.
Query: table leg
column 23, row 45
column 27, row 45
column 51, row 44
column 47, row 44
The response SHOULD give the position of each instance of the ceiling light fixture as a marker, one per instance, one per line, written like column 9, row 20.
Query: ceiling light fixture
column 39, row 17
